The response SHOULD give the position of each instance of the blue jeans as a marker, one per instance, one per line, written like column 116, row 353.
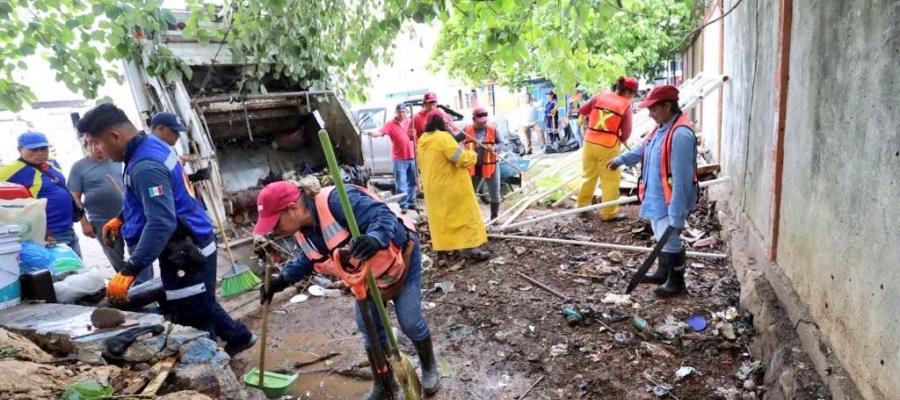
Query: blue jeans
column 405, row 181
column 408, row 305
column 576, row 130
column 673, row 245
column 69, row 238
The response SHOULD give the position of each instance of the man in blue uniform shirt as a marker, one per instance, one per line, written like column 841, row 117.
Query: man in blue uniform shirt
column 162, row 220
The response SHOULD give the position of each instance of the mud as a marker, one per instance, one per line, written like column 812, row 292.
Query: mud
column 496, row 335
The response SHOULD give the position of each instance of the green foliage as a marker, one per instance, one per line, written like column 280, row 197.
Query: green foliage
column 80, row 40
column 585, row 43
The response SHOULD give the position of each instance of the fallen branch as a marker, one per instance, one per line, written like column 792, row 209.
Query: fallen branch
column 301, row 364
column 544, row 287
column 530, row 387
column 619, row 201
column 625, row 247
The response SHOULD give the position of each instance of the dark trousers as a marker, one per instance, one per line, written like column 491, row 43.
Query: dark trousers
column 201, row 310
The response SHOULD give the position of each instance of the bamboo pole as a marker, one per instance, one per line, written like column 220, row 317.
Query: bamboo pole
column 624, row 247
column 535, row 199
column 619, row 201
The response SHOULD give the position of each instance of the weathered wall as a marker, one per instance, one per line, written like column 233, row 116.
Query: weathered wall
column 751, row 58
column 710, row 122
column 839, row 240
column 839, row 235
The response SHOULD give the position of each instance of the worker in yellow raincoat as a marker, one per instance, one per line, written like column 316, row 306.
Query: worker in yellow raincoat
column 453, row 215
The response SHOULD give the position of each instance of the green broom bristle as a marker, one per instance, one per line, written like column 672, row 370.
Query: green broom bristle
column 239, row 282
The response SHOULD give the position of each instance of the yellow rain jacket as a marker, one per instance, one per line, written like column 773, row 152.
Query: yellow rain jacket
column 453, row 215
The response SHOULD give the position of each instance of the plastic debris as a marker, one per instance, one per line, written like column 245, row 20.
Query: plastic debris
column 617, row 299
column 623, row 337
column 445, row 286
column 428, row 305
column 639, row 323
column 697, row 323
column 316, row 290
column 683, row 372
column 726, row 330
column 559, row 349
column 705, row 242
column 731, row 314
column 299, row 298
column 670, row 329
column 616, row 256
column 662, row 389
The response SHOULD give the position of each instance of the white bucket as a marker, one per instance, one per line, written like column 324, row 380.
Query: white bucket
column 10, row 289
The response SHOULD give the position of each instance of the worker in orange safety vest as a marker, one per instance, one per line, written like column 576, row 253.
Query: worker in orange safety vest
column 485, row 140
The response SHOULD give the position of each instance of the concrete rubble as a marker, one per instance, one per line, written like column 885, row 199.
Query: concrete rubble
column 46, row 347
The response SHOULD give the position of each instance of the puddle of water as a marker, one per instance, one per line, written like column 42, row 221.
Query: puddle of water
column 321, row 386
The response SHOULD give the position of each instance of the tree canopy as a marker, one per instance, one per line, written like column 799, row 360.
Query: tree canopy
column 328, row 43
column 586, row 43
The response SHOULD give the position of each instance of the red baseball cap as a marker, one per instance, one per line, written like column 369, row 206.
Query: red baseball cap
column 272, row 200
column 660, row 93
column 479, row 111
column 631, row 83
column 430, row 97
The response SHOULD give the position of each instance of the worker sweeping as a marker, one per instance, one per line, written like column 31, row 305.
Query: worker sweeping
column 609, row 124
column 389, row 245
column 162, row 220
column 668, row 186
column 485, row 169
column 453, row 215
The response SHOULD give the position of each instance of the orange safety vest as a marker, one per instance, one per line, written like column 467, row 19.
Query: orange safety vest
column 665, row 159
column 387, row 265
column 489, row 162
column 606, row 118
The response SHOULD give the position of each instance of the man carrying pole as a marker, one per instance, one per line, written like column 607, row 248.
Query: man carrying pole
column 668, row 186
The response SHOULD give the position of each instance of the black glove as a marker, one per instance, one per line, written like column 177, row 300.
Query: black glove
column 184, row 254
column 200, row 175
column 459, row 137
column 276, row 284
column 364, row 247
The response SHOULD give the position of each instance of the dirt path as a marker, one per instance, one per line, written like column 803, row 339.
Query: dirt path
column 496, row 334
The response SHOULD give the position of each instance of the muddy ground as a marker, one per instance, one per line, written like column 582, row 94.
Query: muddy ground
column 497, row 335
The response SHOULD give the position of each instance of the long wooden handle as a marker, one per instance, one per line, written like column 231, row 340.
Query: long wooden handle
column 114, row 184
column 215, row 216
column 265, row 328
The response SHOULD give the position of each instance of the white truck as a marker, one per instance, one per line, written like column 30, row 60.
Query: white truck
column 246, row 140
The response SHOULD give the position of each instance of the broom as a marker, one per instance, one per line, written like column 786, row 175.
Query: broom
column 239, row 278
column 402, row 368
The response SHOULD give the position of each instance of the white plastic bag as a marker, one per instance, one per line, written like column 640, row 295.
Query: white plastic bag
column 30, row 214
column 81, row 285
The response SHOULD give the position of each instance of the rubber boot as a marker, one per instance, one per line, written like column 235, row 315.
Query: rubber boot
column 477, row 254
column 675, row 284
column 431, row 378
column 495, row 210
column 661, row 275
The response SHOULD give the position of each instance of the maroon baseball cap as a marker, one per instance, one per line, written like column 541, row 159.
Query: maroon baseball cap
column 479, row 114
column 631, row 83
column 660, row 93
column 272, row 200
column 430, row 97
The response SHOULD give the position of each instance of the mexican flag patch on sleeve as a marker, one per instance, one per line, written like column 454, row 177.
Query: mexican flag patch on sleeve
column 156, row 191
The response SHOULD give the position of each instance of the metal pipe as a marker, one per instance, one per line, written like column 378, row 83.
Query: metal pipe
column 619, row 201
column 544, row 287
column 637, row 249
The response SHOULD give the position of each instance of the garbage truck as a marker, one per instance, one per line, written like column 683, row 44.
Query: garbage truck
column 246, row 140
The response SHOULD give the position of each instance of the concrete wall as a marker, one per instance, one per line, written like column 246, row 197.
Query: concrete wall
column 710, row 121
column 839, row 241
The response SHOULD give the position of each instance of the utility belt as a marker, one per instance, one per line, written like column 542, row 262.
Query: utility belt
column 188, row 259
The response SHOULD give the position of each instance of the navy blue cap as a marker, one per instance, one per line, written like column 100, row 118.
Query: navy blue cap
column 33, row 140
column 167, row 119
column 400, row 106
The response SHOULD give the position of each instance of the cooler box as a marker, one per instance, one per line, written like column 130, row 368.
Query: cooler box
column 9, row 191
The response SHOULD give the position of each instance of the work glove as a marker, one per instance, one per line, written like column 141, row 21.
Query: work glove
column 200, row 175
column 276, row 284
column 612, row 165
column 112, row 231
column 364, row 247
column 117, row 289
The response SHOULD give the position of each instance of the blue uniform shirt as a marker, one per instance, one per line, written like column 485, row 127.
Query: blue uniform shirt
column 683, row 158
column 50, row 185
column 373, row 217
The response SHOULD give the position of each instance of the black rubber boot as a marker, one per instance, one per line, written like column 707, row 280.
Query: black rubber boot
column 661, row 275
column 431, row 378
column 477, row 254
column 495, row 210
column 675, row 284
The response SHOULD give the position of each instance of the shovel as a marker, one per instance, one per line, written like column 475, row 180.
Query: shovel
column 272, row 384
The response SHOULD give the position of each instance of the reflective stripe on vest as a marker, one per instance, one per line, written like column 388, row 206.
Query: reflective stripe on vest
column 665, row 158
column 185, row 292
column 187, row 208
column 489, row 160
column 604, row 123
